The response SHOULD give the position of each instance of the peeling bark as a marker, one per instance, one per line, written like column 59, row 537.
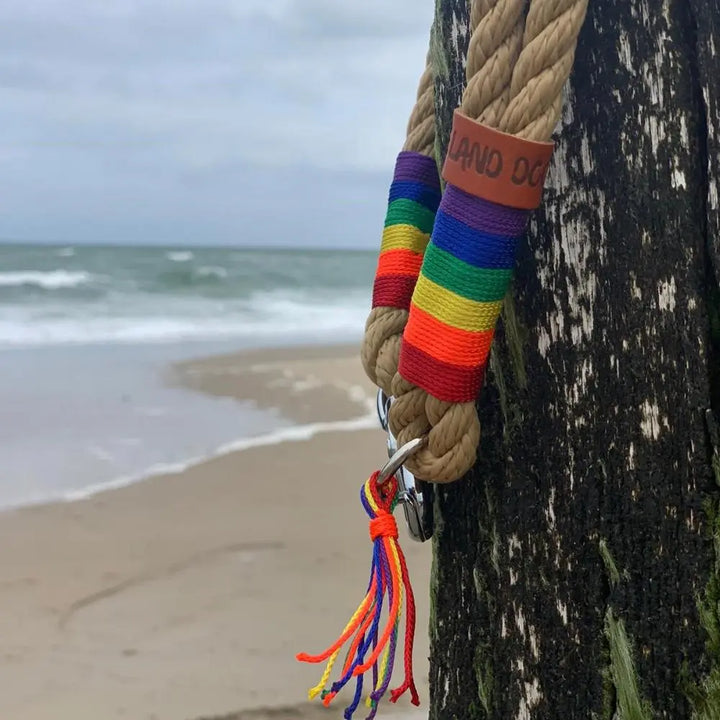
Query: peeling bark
column 595, row 441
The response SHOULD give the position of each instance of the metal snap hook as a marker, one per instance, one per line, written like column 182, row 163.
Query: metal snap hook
column 416, row 515
column 416, row 508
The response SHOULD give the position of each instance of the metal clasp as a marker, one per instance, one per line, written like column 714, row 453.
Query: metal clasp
column 418, row 514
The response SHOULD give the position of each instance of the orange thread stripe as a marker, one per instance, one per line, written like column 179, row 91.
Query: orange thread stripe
column 446, row 343
column 350, row 628
column 399, row 262
column 359, row 637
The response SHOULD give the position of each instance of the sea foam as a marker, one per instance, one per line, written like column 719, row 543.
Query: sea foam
column 48, row 280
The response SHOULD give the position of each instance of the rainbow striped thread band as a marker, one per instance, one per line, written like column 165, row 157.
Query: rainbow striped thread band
column 388, row 578
column 412, row 203
column 459, row 294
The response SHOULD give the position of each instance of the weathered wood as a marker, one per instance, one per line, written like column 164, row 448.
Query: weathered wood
column 705, row 19
column 584, row 521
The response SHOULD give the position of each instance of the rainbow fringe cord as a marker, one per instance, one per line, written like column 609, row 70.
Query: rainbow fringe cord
column 413, row 201
column 459, row 294
column 388, row 577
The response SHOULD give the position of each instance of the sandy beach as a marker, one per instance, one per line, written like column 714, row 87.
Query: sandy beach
column 187, row 595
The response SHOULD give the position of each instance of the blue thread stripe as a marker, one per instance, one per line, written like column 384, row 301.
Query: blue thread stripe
column 419, row 192
column 472, row 246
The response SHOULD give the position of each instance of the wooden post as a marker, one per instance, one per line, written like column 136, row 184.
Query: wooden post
column 575, row 574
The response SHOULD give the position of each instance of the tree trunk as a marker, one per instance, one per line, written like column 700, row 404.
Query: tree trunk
column 577, row 570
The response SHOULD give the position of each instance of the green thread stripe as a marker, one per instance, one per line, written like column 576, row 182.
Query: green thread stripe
column 408, row 212
column 468, row 281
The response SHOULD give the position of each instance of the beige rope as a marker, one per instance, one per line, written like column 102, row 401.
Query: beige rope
column 544, row 65
column 380, row 351
column 495, row 43
column 516, row 69
column 421, row 125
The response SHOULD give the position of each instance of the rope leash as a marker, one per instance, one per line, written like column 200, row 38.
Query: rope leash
column 516, row 69
column 444, row 268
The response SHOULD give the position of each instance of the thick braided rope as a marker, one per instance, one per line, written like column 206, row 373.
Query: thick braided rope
column 528, row 105
column 421, row 125
column 495, row 44
column 453, row 429
column 380, row 349
column 544, row 65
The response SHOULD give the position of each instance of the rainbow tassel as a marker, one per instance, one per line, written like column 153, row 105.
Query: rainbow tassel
column 388, row 577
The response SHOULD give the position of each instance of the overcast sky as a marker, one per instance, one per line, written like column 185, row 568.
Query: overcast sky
column 204, row 121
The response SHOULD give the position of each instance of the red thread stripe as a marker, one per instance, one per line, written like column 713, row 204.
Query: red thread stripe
column 393, row 291
column 451, row 383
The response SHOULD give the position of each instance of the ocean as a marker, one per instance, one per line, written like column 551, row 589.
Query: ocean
column 86, row 334
column 79, row 295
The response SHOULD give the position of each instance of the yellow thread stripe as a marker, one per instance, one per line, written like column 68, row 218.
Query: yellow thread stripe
column 408, row 237
column 315, row 691
column 454, row 310
column 368, row 495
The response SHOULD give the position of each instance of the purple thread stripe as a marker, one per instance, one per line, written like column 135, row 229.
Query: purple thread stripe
column 483, row 215
column 417, row 167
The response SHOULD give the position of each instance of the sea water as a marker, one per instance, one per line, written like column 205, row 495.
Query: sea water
column 87, row 334
column 78, row 295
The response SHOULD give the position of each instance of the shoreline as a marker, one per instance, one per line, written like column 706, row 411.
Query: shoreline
column 182, row 374
column 294, row 433
column 188, row 594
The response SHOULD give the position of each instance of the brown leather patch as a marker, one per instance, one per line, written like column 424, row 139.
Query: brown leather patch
column 495, row 166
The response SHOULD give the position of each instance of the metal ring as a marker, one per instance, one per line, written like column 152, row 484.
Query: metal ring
column 383, row 407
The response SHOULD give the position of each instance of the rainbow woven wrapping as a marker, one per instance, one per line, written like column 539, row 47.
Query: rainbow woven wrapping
column 459, row 294
column 388, row 576
column 413, row 201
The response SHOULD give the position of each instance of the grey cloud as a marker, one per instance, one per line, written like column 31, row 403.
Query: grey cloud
column 138, row 118
column 370, row 19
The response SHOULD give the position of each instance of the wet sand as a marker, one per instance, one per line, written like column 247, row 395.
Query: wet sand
column 187, row 595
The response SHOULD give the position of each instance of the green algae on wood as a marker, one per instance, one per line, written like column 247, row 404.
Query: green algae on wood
column 629, row 704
